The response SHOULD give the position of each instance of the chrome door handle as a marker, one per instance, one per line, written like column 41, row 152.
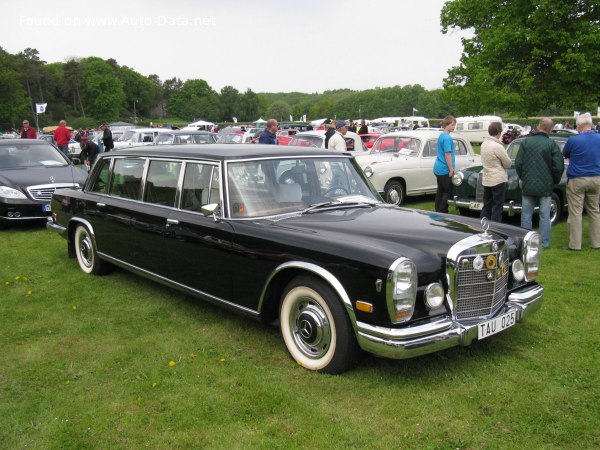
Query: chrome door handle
column 101, row 205
column 172, row 222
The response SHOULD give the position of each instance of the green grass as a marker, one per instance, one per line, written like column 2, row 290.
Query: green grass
column 85, row 364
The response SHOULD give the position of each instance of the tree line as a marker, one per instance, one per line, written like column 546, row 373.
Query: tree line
column 522, row 59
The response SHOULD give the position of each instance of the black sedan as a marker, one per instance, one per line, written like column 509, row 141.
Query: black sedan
column 30, row 171
column 468, row 189
column 299, row 237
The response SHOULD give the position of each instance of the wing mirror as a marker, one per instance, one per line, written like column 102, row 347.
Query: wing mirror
column 213, row 209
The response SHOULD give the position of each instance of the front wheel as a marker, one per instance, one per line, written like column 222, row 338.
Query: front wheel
column 394, row 192
column 316, row 328
column 87, row 256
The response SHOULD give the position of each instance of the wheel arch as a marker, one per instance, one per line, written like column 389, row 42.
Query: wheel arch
column 73, row 223
column 270, row 297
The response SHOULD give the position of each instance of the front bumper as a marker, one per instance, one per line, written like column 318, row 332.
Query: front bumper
column 509, row 207
column 437, row 335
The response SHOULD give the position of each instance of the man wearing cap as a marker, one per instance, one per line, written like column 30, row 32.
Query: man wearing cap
column 27, row 132
column 337, row 141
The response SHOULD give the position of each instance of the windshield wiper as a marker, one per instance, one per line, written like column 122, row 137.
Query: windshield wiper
column 336, row 204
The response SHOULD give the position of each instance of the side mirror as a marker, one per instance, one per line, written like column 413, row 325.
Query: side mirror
column 212, row 209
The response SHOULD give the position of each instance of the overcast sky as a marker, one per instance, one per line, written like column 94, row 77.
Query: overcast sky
column 265, row 45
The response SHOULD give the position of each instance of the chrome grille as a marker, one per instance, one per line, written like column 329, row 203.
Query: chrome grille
column 44, row 191
column 481, row 292
column 479, row 190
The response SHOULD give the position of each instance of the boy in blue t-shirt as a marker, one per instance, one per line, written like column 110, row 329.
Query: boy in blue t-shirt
column 443, row 168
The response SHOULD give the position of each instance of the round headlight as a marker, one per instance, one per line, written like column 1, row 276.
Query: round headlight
column 518, row 270
column 368, row 171
column 458, row 178
column 434, row 296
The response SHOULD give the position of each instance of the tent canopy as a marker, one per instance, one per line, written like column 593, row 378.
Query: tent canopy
column 201, row 123
column 260, row 120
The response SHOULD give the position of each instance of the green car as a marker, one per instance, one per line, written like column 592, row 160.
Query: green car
column 467, row 189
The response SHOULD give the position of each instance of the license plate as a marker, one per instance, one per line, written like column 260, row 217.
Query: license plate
column 496, row 325
column 476, row 205
column 46, row 207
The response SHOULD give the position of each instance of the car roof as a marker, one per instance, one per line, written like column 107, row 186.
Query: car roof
column 13, row 141
column 222, row 152
column 553, row 136
column 191, row 132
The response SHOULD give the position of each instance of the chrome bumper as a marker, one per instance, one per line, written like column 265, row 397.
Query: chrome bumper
column 419, row 340
column 51, row 225
column 509, row 207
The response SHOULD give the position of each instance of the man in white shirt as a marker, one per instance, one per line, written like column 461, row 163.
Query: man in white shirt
column 337, row 141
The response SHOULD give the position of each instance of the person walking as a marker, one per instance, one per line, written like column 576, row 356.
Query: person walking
column 269, row 135
column 583, row 184
column 28, row 132
column 62, row 136
column 494, row 177
column 337, row 141
column 443, row 168
column 107, row 138
column 540, row 165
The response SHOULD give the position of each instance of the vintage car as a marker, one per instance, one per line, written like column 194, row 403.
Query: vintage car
column 400, row 164
column 316, row 138
column 297, row 236
column 139, row 136
column 30, row 171
column 369, row 139
column 186, row 137
column 467, row 194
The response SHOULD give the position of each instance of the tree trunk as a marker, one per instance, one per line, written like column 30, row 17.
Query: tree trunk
column 80, row 102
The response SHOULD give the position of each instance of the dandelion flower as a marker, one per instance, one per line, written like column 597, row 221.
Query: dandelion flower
column 25, row 279
column 154, row 385
column 74, row 307
column 29, row 292
column 222, row 360
column 172, row 363
column 6, row 283
column 299, row 363
column 17, row 278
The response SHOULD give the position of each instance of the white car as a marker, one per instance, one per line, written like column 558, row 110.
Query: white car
column 400, row 164
column 316, row 138
column 139, row 136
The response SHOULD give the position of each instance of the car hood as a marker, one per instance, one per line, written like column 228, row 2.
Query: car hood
column 32, row 176
column 381, row 234
column 367, row 160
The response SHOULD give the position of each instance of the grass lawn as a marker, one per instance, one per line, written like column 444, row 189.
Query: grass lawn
column 122, row 362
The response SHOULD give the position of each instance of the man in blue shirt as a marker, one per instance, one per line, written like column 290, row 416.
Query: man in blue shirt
column 443, row 168
column 583, row 185
column 269, row 135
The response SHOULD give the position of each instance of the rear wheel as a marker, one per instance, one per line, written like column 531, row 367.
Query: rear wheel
column 316, row 328
column 394, row 192
column 87, row 256
column 555, row 209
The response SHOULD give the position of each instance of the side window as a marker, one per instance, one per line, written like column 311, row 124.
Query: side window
column 100, row 184
column 200, row 186
column 460, row 148
column 460, row 126
column 513, row 150
column 430, row 149
column 161, row 182
column 476, row 126
column 127, row 178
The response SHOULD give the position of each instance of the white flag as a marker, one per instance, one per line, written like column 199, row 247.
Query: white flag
column 234, row 119
column 291, row 120
column 415, row 110
column 576, row 114
column 40, row 108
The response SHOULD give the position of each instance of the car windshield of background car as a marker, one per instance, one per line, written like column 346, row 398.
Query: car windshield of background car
column 307, row 141
column 402, row 145
column 263, row 188
column 23, row 155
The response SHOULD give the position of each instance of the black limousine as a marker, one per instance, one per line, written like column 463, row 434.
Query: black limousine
column 300, row 236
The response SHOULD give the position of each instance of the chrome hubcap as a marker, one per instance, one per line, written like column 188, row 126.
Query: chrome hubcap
column 553, row 211
column 394, row 196
column 85, row 250
column 311, row 328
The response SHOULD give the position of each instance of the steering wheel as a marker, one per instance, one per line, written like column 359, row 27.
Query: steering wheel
column 337, row 190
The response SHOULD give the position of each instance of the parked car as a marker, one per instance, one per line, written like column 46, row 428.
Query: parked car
column 316, row 139
column 468, row 191
column 138, row 136
column 186, row 137
column 231, row 137
column 285, row 136
column 299, row 237
column 400, row 164
column 30, row 171
column 369, row 139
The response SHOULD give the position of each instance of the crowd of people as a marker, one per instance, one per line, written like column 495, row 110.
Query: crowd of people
column 539, row 165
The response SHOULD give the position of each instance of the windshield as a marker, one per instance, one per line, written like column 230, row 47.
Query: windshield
column 164, row 138
column 26, row 155
column 406, row 146
column 126, row 136
column 307, row 141
column 262, row 188
column 231, row 138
